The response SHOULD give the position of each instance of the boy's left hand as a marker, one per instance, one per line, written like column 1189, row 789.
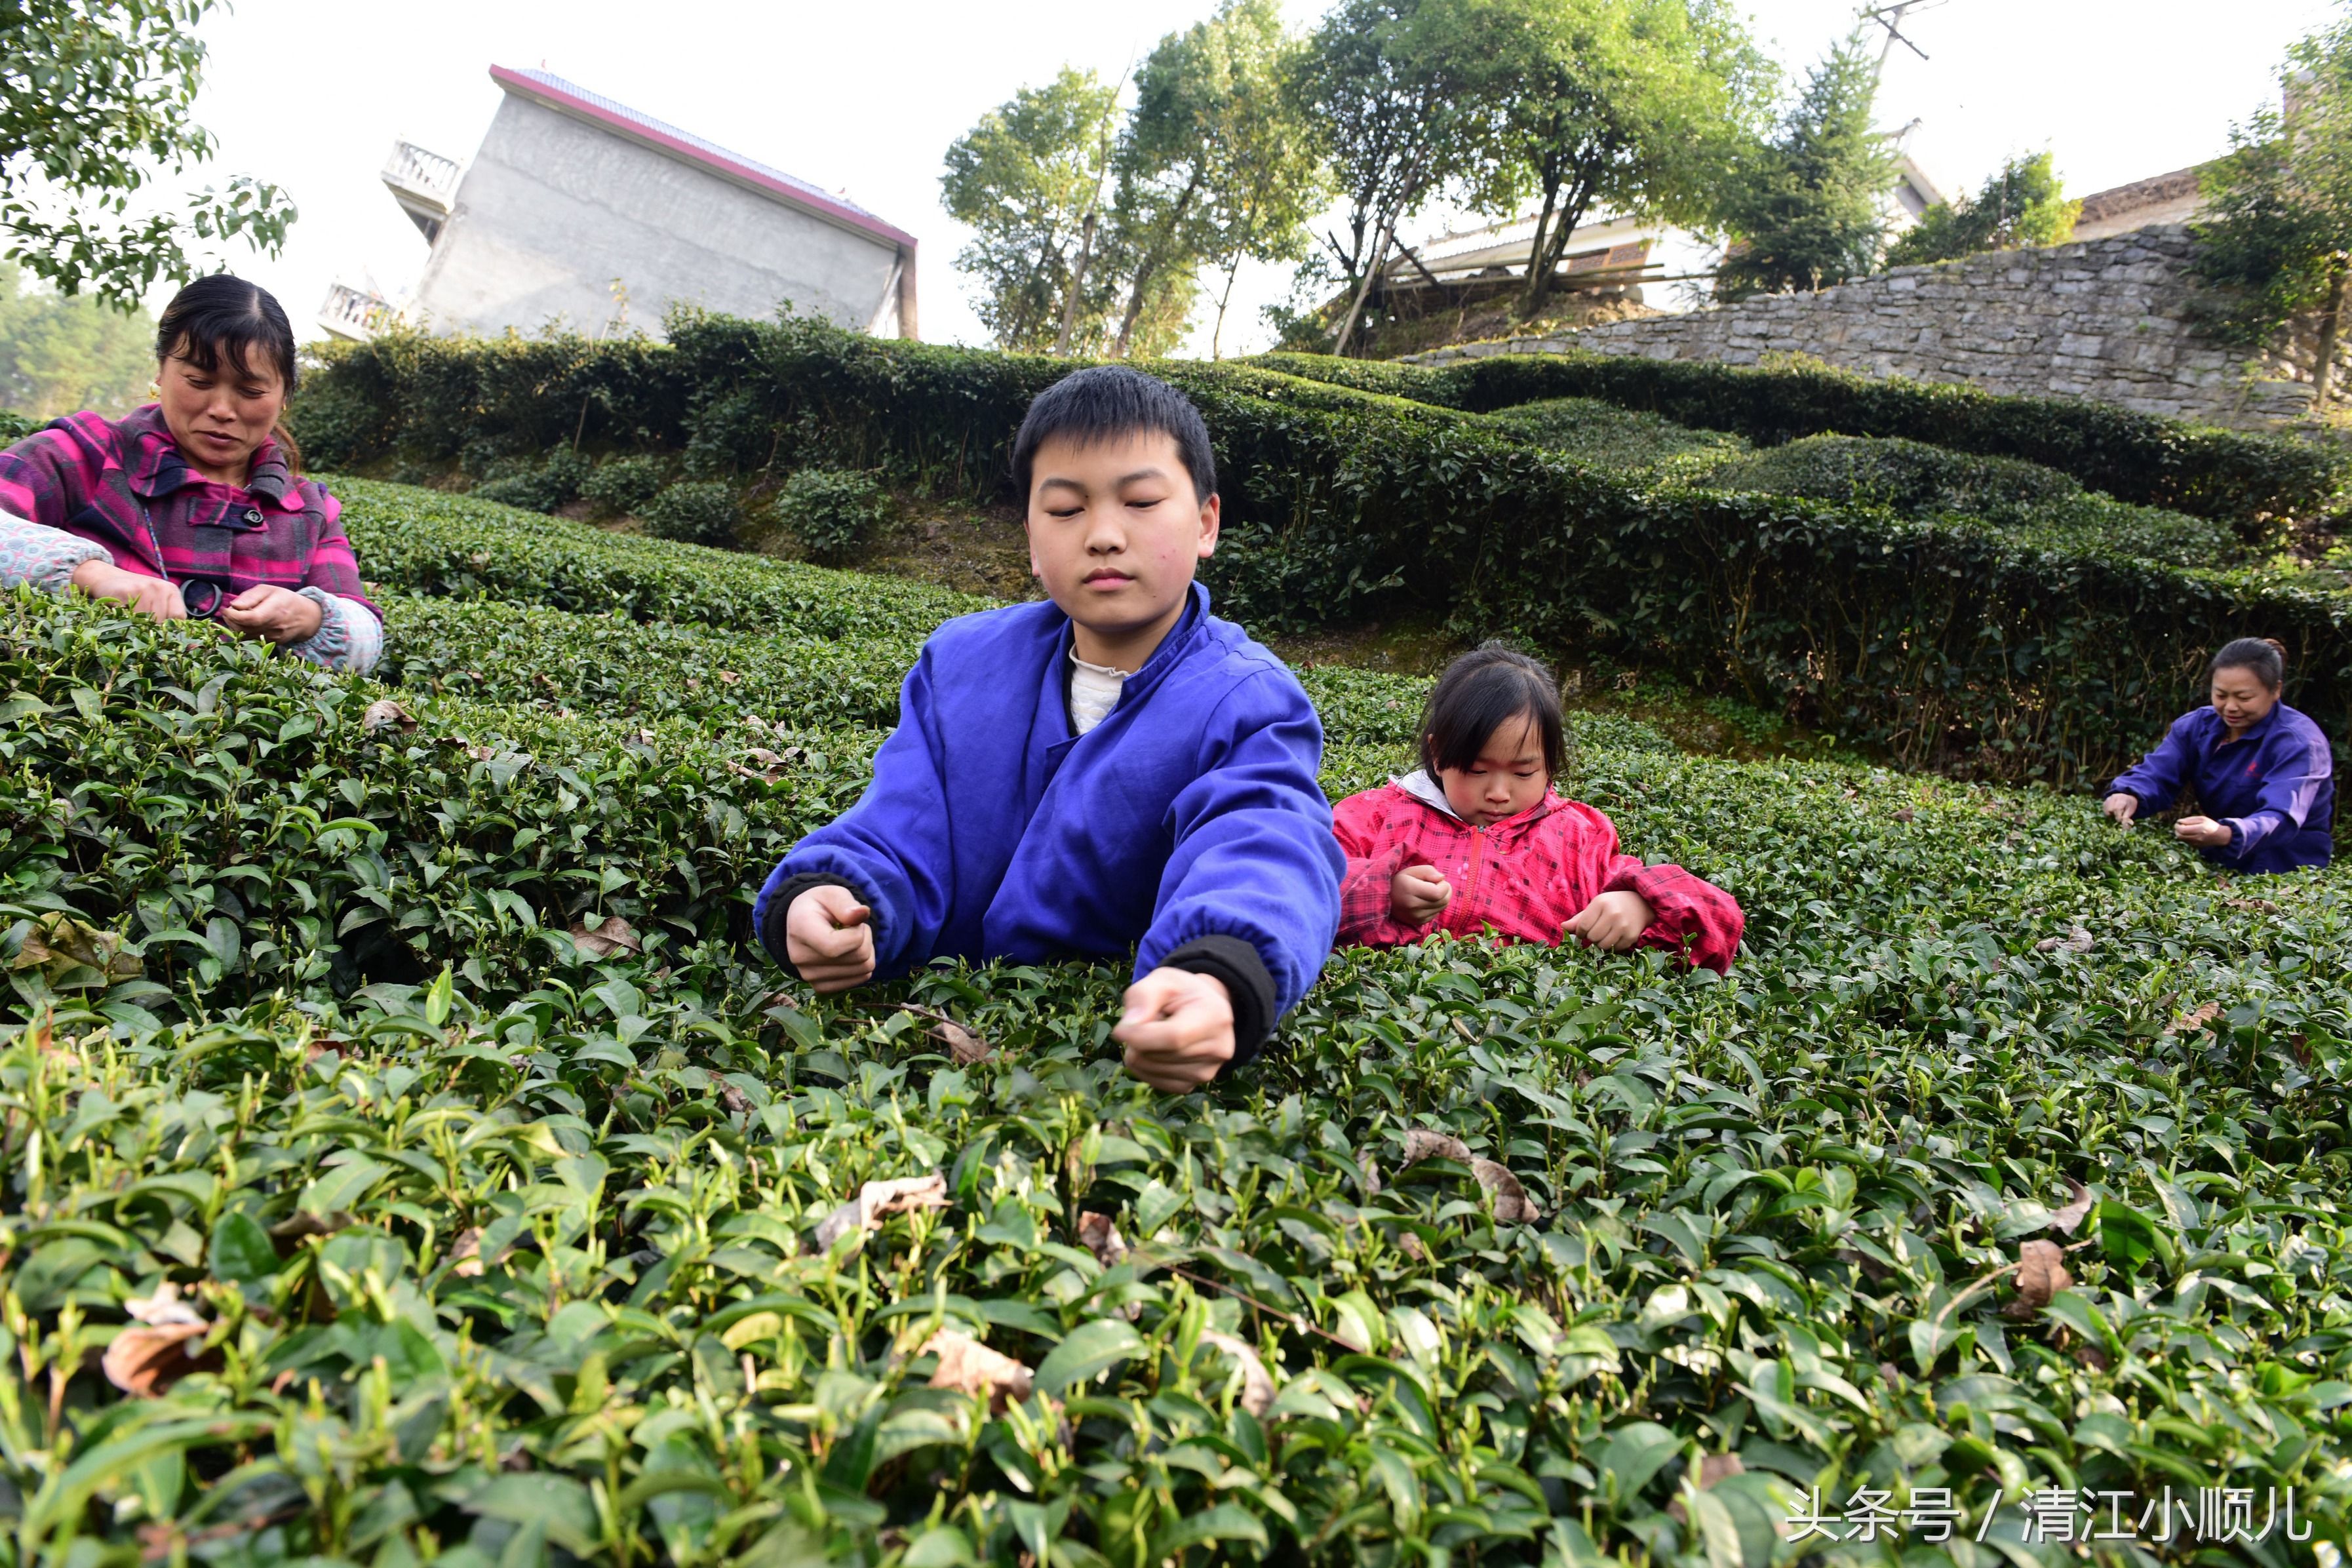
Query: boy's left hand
column 1178, row 1029
column 1614, row 921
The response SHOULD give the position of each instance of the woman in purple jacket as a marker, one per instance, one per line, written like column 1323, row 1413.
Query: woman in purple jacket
column 2265, row 780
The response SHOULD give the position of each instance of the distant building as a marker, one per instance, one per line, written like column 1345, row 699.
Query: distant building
column 2165, row 198
column 1607, row 252
column 577, row 209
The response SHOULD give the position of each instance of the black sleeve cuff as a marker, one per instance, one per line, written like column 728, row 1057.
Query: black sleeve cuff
column 772, row 930
column 1247, row 981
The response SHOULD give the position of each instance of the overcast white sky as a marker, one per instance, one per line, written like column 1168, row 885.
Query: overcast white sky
column 311, row 93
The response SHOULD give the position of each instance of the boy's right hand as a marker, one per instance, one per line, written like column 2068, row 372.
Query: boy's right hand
column 1417, row 893
column 827, row 939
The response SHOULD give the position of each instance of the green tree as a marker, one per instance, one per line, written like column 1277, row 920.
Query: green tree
column 1029, row 181
column 1214, row 165
column 59, row 354
column 2022, row 205
column 1632, row 106
column 96, row 111
column 2277, row 234
column 1809, row 207
column 1168, row 163
column 1273, row 180
column 1397, row 100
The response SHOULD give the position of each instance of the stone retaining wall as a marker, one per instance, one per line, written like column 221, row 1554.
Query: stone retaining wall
column 2104, row 319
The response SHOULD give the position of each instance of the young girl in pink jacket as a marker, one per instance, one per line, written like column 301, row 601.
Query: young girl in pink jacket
column 1478, row 839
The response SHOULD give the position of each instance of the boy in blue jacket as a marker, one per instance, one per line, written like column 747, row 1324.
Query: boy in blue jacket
column 1114, row 768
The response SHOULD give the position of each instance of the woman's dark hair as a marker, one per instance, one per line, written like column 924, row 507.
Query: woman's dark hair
column 2266, row 657
column 1105, row 402
column 223, row 320
column 1480, row 693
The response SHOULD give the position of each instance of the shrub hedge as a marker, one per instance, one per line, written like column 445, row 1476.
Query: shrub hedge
column 482, row 1243
column 425, row 541
column 833, row 513
column 695, row 512
column 2256, row 481
column 1947, row 645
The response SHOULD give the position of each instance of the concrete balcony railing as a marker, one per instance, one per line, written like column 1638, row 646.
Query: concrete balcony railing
column 425, row 183
column 354, row 313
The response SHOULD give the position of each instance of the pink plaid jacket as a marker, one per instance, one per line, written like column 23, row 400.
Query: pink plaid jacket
column 122, row 484
column 1524, row 877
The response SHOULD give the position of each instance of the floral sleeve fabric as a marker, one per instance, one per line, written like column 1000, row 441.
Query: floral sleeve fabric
column 348, row 635
column 33, row 553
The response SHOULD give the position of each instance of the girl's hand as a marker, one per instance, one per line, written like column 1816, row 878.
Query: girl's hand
column 2203, row 832
column 1178, row 1029
column 277, row 614
column 1417, row 893
column 2122, row 806
column 828, row 939
column 149, row 595
column 1613, row 921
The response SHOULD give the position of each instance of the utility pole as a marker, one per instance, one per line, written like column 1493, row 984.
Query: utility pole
column 1891, row 19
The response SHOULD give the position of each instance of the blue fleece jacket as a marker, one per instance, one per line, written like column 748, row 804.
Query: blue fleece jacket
column 1188, row 821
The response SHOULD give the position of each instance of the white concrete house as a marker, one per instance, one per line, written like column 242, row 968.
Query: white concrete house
column 581, row 213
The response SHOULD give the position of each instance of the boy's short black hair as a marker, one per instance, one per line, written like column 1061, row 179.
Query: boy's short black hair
column 1480, row 693
column 1106, row 401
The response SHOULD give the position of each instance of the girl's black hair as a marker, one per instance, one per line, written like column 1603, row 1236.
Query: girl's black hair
column 2266, row 657
column 1480, row 693
column 225, row 320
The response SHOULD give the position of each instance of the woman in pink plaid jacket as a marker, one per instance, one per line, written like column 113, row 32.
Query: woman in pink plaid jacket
column 194, row 507
column 1477, row 839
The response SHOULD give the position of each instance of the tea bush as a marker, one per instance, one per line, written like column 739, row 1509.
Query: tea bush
column 694, row 512
column 406, row 1154
column 2255, row 481
column 1993, row 649
column 835, row 513
column 1619, row 437
column 623, row 486
column 549, row 485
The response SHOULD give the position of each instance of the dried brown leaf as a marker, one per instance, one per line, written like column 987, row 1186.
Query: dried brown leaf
column 147, row 1358
column 2077, row 940
column 2065, row 1220
column 1905, row 814
column 1257, row 1383
column 2192, row 1021
column 1713, row 1468
column 968, row 1367
column 877, row 1200
column 1371, row 1173
column 615, row 935
column 1102, row 1237
column 302, row 1225
column 465, row 1253
column 146, row 1361
column 961, row 1042
column 58, row 946
column 1422, row 1144
column 386, row 714
column 727, row 678
column 2041, row 1273
column 1512, row 1205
